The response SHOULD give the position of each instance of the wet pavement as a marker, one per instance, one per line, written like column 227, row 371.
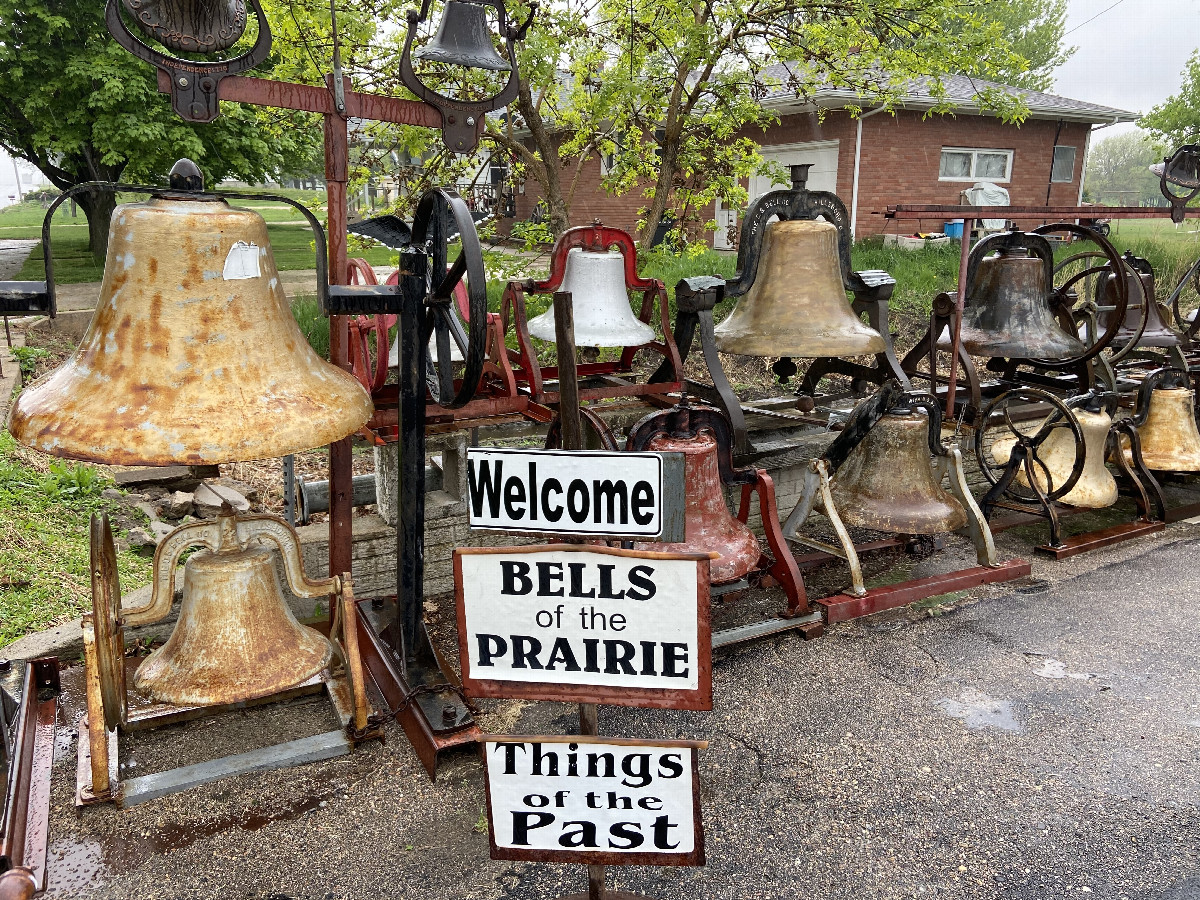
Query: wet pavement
column 1039, row 740
column 13, row 254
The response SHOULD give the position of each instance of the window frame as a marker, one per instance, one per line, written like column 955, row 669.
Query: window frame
column 1070, row 179
column 975, row 152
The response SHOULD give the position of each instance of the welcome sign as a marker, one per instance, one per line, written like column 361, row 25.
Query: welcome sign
column 585, row 624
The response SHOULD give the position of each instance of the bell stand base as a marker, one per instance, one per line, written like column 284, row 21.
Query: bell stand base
column 419, row 713
column 1076, row 544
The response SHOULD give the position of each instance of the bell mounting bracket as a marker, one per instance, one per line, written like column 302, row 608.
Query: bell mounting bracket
column 892, row 397
column 595, row 238
column 1181, row 169
column 462, row 120
column 195, row 86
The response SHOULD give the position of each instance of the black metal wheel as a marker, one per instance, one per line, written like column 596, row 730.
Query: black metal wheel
column 1190, row 279
column 1003, row 416
column 1083, row 277
column 441, row 216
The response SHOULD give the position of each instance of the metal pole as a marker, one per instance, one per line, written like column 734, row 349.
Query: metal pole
column 410, row 491
column 956, row 320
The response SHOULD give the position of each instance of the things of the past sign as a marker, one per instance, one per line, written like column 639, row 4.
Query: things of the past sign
column 596, row 800
column 585, row 624
column 580, row 492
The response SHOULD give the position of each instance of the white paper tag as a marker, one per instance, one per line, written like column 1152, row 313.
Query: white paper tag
column 242, row 262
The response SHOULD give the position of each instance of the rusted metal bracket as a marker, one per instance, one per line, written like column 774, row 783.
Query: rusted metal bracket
column 24, row 825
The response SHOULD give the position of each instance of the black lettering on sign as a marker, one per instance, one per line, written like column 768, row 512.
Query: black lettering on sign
column 485, row 488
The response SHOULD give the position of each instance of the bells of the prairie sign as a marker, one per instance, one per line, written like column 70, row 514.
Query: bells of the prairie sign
column 1007, row 313
column 797, row 304
column 1170, row 441
column 887, row 482
column 1096, row 487
column 709, row 525
column 236, row 638
column 463, row 39
column 599, row 302
column 1141, row 302
column 192, row 356
column 190, row 26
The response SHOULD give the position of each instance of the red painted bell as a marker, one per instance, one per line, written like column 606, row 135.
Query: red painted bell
column 708, row 521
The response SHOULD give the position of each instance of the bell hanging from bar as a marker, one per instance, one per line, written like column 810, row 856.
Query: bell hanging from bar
column 1141, row 296
column 1170, row 441
column 887, row 483
column 708, row 524
column 193, row 356
column 463, row 39
column 1007, row 313
column 190, row 26
column 1096, row 487
column 599, row 301
column 797, row 304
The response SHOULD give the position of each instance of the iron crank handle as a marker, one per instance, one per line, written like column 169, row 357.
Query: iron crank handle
column 166, row 559
column 284, row 537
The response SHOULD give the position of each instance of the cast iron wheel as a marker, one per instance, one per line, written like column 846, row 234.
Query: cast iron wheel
column 438, row 207
column 1086, row 274
column 1060, row 416
column 1189, row 327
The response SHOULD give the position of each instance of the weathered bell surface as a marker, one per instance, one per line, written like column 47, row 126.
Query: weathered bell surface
column 797, row 304
column 236, row 638
column 192, row 356
column 1008, row 314
column 709, row 525
column 599, row 301
column 463, row 39
column 1170, row 441
column 190, row 26
column 887, row 483
column 1096, row 487
column 1141, row 297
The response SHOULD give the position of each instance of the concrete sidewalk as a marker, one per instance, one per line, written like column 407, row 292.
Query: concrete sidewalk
column 1039, row 741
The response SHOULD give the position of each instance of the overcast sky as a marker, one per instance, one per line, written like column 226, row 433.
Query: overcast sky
column 1129, row 56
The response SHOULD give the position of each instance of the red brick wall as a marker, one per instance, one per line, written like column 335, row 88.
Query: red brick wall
column 900, row 159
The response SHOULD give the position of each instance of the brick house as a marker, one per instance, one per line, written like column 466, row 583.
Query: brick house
column 882, row 159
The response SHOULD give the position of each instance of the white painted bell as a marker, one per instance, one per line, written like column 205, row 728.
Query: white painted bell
column 603, row 317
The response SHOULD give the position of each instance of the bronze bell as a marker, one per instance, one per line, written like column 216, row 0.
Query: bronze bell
column 1096, row 487
column 190, row 26
column 463, row 39
column 1007, row 311
column 709, row 525
column 1140, row 279
column 193, row 356
column 797, row 304
column 887, row 482
column 1170, row 441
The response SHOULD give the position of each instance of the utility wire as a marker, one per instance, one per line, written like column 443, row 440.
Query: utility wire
column 1093, row 18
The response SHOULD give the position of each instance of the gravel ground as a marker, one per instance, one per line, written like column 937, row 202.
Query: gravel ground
column 1039, row 740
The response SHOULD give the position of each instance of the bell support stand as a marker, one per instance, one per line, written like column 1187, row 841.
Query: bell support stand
column 684, row 424
column 27, row 730
column 866, row 427
column 1039, row 475
column 598, row 380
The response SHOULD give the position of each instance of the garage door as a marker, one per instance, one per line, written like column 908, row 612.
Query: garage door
column 823, row 155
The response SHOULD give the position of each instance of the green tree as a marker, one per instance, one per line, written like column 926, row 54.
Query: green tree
column 1034, row 30
column 1118, row 169
column 1176, row 120
column 80, row 108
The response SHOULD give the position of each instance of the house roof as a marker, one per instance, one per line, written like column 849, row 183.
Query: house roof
column 961, row 91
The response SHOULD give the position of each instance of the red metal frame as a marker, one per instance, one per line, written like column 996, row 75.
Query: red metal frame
column 782, row 567
column 524, row 360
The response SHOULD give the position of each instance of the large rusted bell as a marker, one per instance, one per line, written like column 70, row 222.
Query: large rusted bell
column 797, row 304
column 709, row 526
column 463, row 39
column 1141, row 296
column 1096, row 487
column 1008, row 313
column 193, row 356
column 887, row 483
column 599, row 301
column 1170, row 441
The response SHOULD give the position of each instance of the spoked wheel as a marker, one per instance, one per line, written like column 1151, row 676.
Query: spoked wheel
column 1184, row 296
column 1014, row 418
column 439, row 215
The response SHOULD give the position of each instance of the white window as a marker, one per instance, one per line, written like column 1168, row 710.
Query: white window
column 1064, row 164
column 969, row 164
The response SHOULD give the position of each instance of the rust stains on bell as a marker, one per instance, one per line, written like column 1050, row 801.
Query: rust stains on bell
column 192, row 356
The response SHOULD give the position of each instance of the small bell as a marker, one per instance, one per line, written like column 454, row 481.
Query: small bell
column 887, row 482
column 1169, row 438
column 599, row 301
column 1096, row 487
column 797, row 304
column 1141, row 297
column 709, row 526
column 463, row 39
column 1007, row 312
